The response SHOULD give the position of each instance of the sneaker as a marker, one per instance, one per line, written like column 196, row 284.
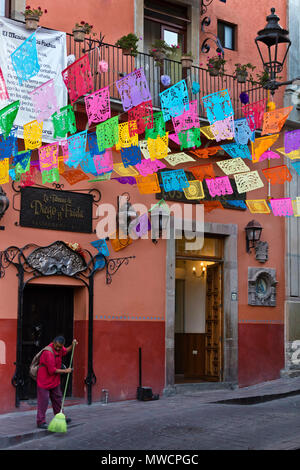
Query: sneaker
column 43, row 426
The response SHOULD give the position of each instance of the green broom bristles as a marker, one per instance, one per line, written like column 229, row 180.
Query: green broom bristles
column 58, row 423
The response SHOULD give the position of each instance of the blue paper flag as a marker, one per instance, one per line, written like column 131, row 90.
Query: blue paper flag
column 88, row 165
column 174, row 100
column 76, row 149
column 22, row 158
column 25, row 59
column 93, row 144
column 99, row 262
column 236, row 203
column 237, row 150
column 174, row 180
column 296, row 166
column 218, row 106
column 101, row 246
column 9, row 146
column 131, row 155
column 243, row 132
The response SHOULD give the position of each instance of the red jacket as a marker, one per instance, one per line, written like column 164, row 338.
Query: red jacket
column 46, row 376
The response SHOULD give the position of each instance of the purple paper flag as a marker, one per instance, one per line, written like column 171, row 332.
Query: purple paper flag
column 292, row 141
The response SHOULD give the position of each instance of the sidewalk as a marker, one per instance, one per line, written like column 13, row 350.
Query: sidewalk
column 20, row 426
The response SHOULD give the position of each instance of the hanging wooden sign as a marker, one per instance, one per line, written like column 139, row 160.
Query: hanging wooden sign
column 50, row 209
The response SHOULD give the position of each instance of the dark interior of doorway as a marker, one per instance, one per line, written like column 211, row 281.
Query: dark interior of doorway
column 47, row 312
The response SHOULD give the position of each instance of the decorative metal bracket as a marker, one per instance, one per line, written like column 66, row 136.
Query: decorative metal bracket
column 58, row 259
column 204, row 4
column 205, row 47
column 93, row 43
column 113, row 265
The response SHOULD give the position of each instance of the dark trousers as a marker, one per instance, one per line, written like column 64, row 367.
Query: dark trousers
column 43, row 396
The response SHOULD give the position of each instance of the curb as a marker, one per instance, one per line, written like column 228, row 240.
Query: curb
column 16, row 439
column 254, row 400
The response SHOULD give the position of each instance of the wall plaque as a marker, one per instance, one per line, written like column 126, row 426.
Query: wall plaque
column 56, row 210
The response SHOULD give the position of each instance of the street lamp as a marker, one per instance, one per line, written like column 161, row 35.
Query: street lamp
column 253, row 233
column 273, row 44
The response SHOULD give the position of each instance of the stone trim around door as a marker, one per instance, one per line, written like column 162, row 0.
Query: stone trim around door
column 229, row 233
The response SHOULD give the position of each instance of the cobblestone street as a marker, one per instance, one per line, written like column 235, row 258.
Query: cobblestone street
column 191, row 421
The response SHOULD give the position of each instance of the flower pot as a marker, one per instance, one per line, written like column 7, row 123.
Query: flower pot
column 242, row 77
column 159, row 56
column 213, row 72
column 126, row 51
column 32, row 22
column 186, row 62
column 79, row 34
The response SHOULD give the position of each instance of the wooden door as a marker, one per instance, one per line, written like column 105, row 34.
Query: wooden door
column 214, row 327
column 47, row 312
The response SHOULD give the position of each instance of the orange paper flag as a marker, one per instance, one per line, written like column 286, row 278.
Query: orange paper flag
column 148, row 184
column 205, row 153
column 261, row 145
column 277, row 174
column 274, row 120
column 203, row 171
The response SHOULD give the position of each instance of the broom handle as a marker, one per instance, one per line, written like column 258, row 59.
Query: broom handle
column 67, row 381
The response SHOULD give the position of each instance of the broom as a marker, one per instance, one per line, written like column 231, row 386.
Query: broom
column 58, row 423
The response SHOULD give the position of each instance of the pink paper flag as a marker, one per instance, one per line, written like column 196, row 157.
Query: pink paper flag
column 219, row 186
column 44, row 100
column 104, row 162
column 223, row 130
column 254, row 113
column 282, row 206
column 142, row 117
column 97, row 106
column 78, row 78
column 148, row 167
column 187, row 119
column 48, row 156
column 3, row 90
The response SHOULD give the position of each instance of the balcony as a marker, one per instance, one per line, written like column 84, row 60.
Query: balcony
column 120, row 65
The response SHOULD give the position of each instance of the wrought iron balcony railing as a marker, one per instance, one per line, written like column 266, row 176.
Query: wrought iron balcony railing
column 120, row 65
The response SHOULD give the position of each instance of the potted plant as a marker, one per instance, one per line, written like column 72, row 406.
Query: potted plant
column 241, row 72
column 262, row 78
column 81, row 29
column 215, row 65
column 128, row 44
column 32, row 17
column 187, row 60
column 160, row 50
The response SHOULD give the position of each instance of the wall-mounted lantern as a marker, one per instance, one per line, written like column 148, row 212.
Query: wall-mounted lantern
column 253, row 233
column 4, row 204
column 160, row 220
column 125, row 214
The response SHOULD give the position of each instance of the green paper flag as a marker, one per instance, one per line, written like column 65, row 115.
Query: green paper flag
column 108, row 133
column 64, row 121
column 189, row 138
column 158, row 128
column 7, row 117
column 50, row 176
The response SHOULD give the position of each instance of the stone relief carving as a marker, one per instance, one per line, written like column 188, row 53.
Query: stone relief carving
column 262, row 287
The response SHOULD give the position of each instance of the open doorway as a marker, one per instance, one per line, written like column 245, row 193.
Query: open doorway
column 199, row 312
column 47, row 312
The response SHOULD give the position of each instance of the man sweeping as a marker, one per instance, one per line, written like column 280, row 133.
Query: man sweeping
column 48, row 379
